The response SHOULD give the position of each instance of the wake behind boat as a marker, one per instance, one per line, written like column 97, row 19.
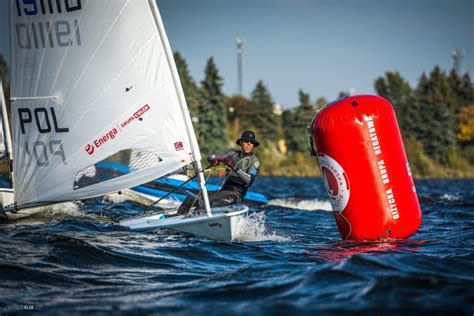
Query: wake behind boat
column 92, row 82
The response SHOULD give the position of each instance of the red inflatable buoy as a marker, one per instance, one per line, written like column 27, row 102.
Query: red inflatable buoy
column 365, row 169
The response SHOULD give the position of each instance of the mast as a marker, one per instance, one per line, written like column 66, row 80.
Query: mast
column 183, row 106
column 240, row 44
column 6, row 122
column 6, row 128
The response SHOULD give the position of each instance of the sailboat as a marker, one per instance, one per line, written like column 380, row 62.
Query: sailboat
column 92, row 82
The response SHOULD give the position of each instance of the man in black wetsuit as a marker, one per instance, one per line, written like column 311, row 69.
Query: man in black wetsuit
column 242, row 168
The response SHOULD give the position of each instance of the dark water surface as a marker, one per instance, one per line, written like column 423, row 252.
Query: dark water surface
column 291, row 261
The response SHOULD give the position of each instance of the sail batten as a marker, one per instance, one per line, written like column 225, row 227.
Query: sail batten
column 51, row 97
column 117, row 101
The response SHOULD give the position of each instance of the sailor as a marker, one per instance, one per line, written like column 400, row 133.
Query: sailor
column 242, row 168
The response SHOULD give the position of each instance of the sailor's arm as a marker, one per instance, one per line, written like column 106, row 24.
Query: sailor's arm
column 249, row 176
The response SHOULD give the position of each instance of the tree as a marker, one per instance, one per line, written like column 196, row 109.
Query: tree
column 398, row 92
column 343, row 94
column 287, row 121
column 296, row 123
column 304, row 99
column 455, row 83
column 212, row 116
column 238, row 109
column 466, row 124
column 436, row 120
column 191, row 90
column 261, row 114
column 320, row 102
column 3, row 71
column 466, row 91
column 462, row 87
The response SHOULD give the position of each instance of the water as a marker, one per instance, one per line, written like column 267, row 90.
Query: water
column 290, row 261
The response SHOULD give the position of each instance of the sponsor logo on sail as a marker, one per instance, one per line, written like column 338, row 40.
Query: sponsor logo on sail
column 336, row 182
column 178, row 146
column 90, row 149
column 115, row 131
column 109, row 136
column 136, row 115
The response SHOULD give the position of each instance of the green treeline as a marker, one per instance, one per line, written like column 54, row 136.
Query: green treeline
column 436, row 119
column 219, row 120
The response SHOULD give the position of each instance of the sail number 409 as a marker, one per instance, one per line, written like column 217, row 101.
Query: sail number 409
column 42, row 151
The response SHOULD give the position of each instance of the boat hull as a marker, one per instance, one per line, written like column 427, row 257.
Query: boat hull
column 224, row 224
column 6, row 199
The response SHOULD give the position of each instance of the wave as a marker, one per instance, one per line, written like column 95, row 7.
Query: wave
column 73, row 209
column 252, row 228
column 450, row 197
column 57, row 211
column 305, row 205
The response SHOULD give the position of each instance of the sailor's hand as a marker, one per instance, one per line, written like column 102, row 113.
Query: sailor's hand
column 229, row 163
column 213, row 161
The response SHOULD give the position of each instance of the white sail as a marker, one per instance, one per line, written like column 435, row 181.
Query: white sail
column 91, row 82
column 3, row 131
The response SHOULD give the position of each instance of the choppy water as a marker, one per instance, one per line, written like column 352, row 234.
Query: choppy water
column 291, row 261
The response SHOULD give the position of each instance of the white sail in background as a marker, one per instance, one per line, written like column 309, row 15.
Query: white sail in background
column 3, row 131
column 91, row 82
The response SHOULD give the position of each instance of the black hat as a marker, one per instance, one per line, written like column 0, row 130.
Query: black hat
column 249, row 136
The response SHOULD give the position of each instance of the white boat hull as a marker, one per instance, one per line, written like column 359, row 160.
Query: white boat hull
column 224, row 224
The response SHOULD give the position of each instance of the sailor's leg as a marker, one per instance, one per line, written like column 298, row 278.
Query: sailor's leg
column 186, row 205
column 223, row 198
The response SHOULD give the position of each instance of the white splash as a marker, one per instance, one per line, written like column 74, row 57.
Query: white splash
column 305, row 205
column 252, row 228
column 113, row 198
column 67, row 209
column 72, row 209
column 449, row 197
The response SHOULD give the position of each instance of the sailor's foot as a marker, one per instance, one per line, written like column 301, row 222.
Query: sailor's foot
column 183, row 211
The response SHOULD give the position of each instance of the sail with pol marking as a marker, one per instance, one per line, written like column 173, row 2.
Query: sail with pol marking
column 93, row 82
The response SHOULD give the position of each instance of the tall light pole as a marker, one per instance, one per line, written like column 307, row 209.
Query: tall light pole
column 458, row 55
column 240, row 47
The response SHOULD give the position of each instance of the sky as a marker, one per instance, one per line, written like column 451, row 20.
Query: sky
column 320, row 46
